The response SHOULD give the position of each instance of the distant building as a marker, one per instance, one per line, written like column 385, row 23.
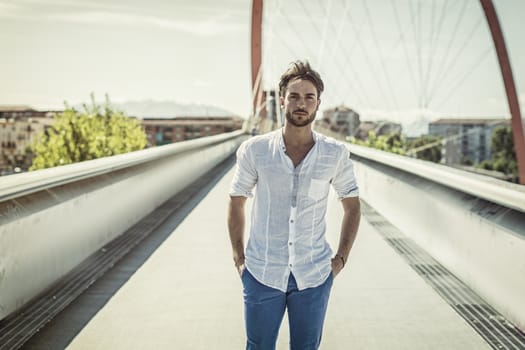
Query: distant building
column 378, row 128
column 364, row 129
column 465, row 140
column 19, row 127
column 341, row 119
column 161, row 131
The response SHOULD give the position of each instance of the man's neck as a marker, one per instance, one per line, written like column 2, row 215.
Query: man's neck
column 298, row 136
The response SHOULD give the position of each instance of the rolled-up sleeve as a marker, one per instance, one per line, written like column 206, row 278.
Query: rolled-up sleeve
column 245, row 176
column 344, row 181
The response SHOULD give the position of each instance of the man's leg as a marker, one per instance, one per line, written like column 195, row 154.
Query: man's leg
column 306, row 312
column 263, row 313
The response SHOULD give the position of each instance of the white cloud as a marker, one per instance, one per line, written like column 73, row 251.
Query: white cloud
column 212, row 24
column 9, row 9
column 201, row 83
column 207, row 27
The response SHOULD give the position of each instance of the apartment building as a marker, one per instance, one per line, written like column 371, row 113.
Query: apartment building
column 341, row 119
column 19, row 127
column 466, row 140
column 161, row 131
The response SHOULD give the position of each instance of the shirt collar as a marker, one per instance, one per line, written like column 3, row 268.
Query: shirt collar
column 282, row 145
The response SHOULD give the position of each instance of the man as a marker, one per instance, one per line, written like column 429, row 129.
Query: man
column 288, row 264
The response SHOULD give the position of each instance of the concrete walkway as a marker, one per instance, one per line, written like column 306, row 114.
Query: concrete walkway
column 187, row 295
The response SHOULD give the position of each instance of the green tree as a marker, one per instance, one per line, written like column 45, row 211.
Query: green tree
column 486, row 164
column 503, row 152
column 94, row 133
column 426, row 147
column 394, row 143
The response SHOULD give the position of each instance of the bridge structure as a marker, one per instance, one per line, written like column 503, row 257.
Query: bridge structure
column 431, row 73
column 132, row 252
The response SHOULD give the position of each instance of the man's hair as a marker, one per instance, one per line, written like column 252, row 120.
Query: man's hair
column 300, row 70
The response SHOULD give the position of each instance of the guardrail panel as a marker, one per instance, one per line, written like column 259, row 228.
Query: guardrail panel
column 480, row 241
column 51, row 220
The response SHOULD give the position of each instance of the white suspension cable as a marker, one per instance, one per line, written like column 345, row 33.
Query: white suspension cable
column 354, row 77
column 334, row 39
column 367, row 59
column 405, row 49
column 443, row 66
column 462, row 79
column 433, row 47
column 415, row 19
column 455, row 59
column 267, row 42
column 428, row 56
column 325, row 30
column 381, row 56
column 301, row 39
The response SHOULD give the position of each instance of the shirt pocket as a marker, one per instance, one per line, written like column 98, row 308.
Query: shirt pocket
column 318, row 189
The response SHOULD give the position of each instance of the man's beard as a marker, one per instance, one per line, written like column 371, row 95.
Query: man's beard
column 300, row 123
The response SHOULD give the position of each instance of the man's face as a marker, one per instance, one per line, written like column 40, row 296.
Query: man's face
column 300, row 102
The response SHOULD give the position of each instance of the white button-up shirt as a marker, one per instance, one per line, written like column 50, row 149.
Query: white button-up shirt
column 287, row 232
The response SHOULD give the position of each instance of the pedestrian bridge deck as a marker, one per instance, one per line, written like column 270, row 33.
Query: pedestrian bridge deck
column 186, row 294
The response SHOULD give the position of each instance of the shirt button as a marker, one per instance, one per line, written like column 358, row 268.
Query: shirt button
column 290, row 265
column 290, row 243
column 291, row 221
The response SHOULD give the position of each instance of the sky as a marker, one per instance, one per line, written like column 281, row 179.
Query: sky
column 393, row 59
column 188, row 52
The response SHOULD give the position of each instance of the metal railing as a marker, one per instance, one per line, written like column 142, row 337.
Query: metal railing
column 472, row 224
column 53, row 219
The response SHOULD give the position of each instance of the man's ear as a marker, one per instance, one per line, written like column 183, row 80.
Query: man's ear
column 318, row 103
column 281, row 101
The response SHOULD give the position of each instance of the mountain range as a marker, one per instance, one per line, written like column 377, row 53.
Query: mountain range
column 169, row 109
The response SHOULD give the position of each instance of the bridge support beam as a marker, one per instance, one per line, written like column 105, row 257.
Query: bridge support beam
column 510, row 88
column 256, row 53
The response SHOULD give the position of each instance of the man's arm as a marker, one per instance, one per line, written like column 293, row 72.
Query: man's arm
column 349, row 226
column 236, row 228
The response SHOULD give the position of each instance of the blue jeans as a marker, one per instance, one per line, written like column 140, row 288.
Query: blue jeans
column 264, row 310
